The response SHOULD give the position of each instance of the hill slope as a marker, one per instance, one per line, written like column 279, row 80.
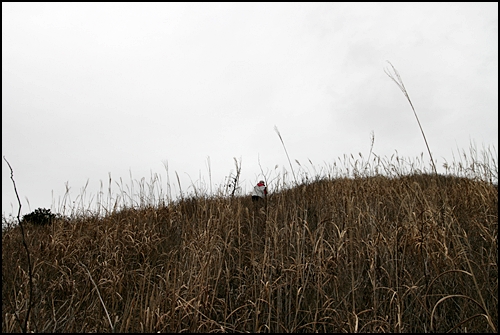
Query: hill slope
column 414, row 254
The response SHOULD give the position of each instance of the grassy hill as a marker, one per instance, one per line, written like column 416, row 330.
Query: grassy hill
column 414, row 253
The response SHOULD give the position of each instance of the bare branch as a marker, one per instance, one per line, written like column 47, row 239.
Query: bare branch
column 30, row 272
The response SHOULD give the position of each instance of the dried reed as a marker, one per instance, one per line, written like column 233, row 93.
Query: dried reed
column 368, row 246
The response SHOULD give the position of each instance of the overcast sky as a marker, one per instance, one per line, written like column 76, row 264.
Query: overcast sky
column 93, row 90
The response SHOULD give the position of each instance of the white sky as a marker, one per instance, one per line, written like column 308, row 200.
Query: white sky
column 91, row 90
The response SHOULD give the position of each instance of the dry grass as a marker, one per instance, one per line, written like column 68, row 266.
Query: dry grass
column 370, row 247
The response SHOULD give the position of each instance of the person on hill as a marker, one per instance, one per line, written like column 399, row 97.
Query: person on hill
column 259, row 191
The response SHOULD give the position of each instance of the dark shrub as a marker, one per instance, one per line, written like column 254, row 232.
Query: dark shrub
column 40, row 216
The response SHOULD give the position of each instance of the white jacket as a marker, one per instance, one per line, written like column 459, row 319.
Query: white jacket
column 259, row 191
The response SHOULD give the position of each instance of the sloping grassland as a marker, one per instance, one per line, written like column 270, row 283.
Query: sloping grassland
column 376, row 254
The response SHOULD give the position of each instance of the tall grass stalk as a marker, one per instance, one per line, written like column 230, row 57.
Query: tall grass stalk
column 286, row 152
column 399, row 82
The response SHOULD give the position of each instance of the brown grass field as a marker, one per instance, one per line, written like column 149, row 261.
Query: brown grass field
column 400, row 251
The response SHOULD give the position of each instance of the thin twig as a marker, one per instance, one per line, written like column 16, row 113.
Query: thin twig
column 30, row 273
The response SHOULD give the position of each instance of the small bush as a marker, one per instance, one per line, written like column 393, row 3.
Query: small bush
column 40, row 216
